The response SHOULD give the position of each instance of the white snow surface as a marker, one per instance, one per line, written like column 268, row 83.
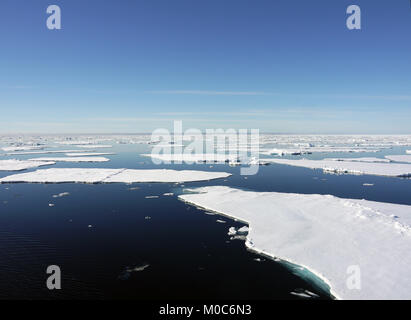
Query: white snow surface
column 41, row 152
column 324, row 234
column 192, row 157
column 400, row 158
column 21, row 148
column 80, row 154
column 18, row 165
column 93, row 175
column 72, row 159
column 370, row 159
column 94, row 146
column 351, row 167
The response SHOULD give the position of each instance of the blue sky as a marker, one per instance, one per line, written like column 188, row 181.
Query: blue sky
column 132, row 66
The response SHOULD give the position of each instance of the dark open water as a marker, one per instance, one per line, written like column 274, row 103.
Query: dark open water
column 189, row 254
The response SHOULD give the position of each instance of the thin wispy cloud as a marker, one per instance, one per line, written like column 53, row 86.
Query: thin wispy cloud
column 209, row 93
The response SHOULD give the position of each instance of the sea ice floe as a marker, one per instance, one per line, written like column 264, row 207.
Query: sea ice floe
column 42, row 152
column 301, row 151
column 72, row 159
column 400, row 158
column 94, row 146
column 93, row 175
column 86, row 154
column 284, row 152
column 164, row 175
column 191, row 157
column 18, row 165
column 370, row 159
column 21, row 148
column 74, row 142
column 408, row 151
column 326, row 235
column 340, row 149
column 350, row 167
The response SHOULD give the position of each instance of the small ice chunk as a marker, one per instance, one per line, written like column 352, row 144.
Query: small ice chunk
column 232, row 231
column 306, row 294
column 129, row 270
column 242, row 231
column 62, row 194
column 239, row 232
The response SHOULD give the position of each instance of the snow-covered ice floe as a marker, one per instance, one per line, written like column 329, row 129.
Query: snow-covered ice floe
column 41, row 152
column 301, row 151
column 350, row 167
column 93, row 175
column 72, row 159
column 408, row 151
column 370, row 159
column 21, row 148
column 191, row 157
column 285, row 152
column 94, row 146
column 400, row 158
column 324, row 234
column 86, row 154
column 18, row 165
